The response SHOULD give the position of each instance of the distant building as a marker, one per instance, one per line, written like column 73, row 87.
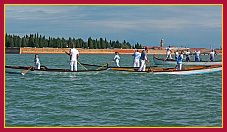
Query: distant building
column 162, row 43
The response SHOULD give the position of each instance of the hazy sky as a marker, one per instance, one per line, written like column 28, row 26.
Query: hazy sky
column 191, row 26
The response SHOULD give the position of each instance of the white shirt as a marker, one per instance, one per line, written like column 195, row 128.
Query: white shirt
column 168, row 51
column 36, row 61
column 74, row 53
column 116, row 57
column 187, row 53
column 137, row 55
column 212, row 54
column 197, row 53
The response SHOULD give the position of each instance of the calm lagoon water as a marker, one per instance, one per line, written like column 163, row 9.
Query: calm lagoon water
column 108, row 98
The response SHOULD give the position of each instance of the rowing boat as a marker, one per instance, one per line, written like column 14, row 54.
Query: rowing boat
column 160, row 61
column 45, row 69
column 153, row 69
column 185, row 70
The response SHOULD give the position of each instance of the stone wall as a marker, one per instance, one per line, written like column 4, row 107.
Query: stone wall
column 89, row 51
column 82, row 51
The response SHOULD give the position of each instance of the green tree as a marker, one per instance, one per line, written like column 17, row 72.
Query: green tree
column 37, row 40
column 90, row 43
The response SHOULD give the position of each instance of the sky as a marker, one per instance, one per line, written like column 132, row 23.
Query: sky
column 187, row 26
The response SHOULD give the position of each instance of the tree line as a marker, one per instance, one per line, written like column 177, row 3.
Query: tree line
column 39, row 41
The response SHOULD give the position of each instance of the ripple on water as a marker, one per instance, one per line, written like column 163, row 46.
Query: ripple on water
column 111, row 98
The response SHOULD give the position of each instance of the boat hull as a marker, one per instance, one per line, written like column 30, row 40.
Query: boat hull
column 189, row 70
column 45, row 69
column 155, row 70
column 159, row 61
column 202, row 71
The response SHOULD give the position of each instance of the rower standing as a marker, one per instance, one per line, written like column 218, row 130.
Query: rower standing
column 176, row 54
column 168, row 53
column 179, row 61
column 197, row 55
column 143, row 60
column 36, row 61
column 212, row 53
column 187, row 55
column 136, row 59
column 117, row 59
column 74, row 55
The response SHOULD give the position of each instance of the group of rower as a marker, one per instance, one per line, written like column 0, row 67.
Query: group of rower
column 179, row 57
column 73, row 53
column 187, row 54
column 140, row 59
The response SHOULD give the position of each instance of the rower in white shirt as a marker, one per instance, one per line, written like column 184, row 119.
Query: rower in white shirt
column 37, row 62
column 197, row 55
column 179, row 61
column 117, row 59
column 74, row 55
column 168, row 53
column 176, row 54
column 187, row 55
column 136, row 60
column 212, row 53
column 143, row 60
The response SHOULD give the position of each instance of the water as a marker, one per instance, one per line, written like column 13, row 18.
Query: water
column 108, row 98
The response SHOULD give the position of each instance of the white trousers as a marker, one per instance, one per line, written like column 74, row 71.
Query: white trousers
column 73, row 65
column 37, row 66
column 117, row 62
column 168, row 56
column 136, row 63
column 143, row 65
column 179, row 66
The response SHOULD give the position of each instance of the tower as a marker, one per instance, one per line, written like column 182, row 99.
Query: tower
column 162, row 43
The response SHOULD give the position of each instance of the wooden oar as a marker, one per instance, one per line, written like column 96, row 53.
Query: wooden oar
column 81, row 65
column 207, row 61
column 66, row 52
column 25, row 71
column 148, row 63
column 106, row 64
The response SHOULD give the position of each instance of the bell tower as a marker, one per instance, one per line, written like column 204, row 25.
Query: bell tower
column 162, row 43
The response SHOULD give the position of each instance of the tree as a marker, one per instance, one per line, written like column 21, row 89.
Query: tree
column 90, row 43
column 102, row 43
column 94, row 44
column 23, row 42
column 37, row 40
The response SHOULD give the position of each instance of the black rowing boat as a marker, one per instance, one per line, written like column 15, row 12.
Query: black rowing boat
column 45, row 69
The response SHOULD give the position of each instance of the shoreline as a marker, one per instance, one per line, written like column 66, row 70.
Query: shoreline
column 29, row 50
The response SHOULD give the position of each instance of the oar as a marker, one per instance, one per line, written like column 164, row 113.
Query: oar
column 149, row 67
column 106, row 64
column 66, row 52
column 207, row 61
column 81, row 65
column 25, row 71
